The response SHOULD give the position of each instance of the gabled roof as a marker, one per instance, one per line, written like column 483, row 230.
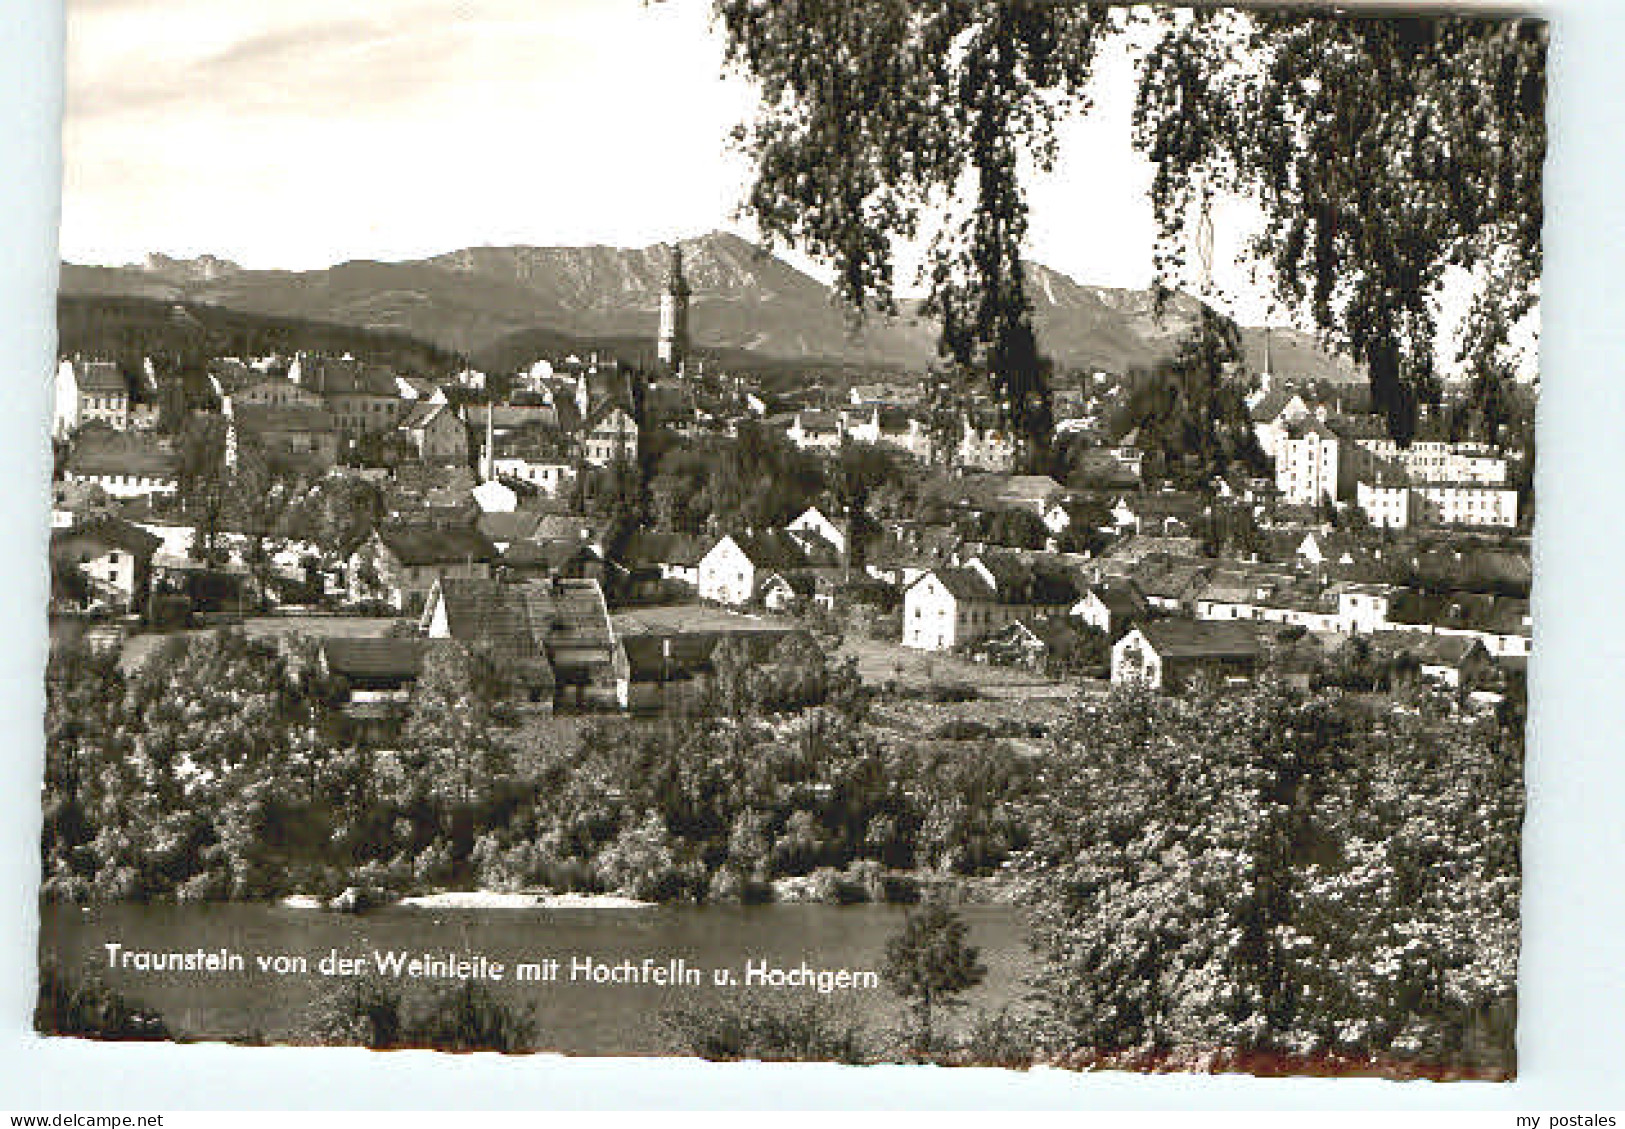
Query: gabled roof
column 1274, row 402
column 112, row 532
column 1122, row 600
column 494, row 615
column 554, row 614
column 1200, row 638
column 964, row 584
column 778, row 550
column 423, row 412
column 99, row 376
column 416, row 545
column 384, row 659
column 508, row 526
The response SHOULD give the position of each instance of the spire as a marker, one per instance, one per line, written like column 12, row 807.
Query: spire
column 676, row 283
column 671, row 347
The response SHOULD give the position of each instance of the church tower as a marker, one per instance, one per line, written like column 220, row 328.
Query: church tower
column 672, row 346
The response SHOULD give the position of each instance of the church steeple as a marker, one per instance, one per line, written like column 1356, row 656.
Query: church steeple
column 672, row 346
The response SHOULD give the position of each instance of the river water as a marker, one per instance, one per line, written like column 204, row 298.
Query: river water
column 575, row 1015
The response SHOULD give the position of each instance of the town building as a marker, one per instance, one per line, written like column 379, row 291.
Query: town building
column 301, row 435
column 1172, row 654
column 949, row 607
column 363, row 397
column 123, row 464
column 1308, row 463
column 552, row 638
column 402, row 562
column 91, row 391
column 435, row 432
column 114, row 558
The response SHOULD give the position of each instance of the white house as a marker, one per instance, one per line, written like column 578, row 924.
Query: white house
column 1307, row 461
column 493, row 497
column 948, row 607
column 1166, row 654
column 1273, row 414
column 550, row 476
column 813, row 521
column 735, row 567
column 817, row 431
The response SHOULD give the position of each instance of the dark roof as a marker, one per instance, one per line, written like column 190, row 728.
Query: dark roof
column 776, row 549
column 383, row 659
column 1123, row 601
column 561, row 415
column 112, row 532
column 1029, row 581
column 1165, row 504
column 1429, row 649
column 563, row 622
column 1198, row 638
column 665, row 548
column 518, row 525
column 432, row 544
column 495, row 615
column 101, row 451
column 99, row 376
column 1275, row 400
column 966, row 584
column 422, row 412
column 344, row 377
column 259, row 418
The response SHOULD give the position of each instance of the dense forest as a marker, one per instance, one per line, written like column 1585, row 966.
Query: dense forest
column 185, row 336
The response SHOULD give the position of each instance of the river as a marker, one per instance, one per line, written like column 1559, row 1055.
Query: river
column 574, row 1016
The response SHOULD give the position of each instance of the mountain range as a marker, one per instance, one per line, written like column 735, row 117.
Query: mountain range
column 501, row 306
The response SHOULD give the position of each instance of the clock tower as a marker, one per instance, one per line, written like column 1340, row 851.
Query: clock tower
column 672, row 345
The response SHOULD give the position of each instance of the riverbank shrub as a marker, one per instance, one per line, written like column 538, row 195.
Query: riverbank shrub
column 1263, row 874
column 467, row 1016
column 81, row 1004
column 769, row 1030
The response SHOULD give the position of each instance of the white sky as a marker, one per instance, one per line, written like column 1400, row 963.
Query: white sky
column 300, row 133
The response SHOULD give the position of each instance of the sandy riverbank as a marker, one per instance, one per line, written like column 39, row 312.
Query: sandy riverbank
column 491, row 899
column 485, row 899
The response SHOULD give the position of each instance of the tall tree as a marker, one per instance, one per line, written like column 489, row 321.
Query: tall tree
column 881, row 119
column 1385, row 150
column 929, row 964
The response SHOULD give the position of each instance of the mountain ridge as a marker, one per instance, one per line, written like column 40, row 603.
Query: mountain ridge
column 745, row 299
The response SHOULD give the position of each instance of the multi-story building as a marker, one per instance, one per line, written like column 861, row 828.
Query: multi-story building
column 363, row 397
column 1308, row 462
column 1403, row 505
column 91, row 392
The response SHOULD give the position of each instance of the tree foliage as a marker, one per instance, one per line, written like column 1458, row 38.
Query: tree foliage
column 1263, row 873
column 928, row 963
column 880, row 119
column 1385, row 150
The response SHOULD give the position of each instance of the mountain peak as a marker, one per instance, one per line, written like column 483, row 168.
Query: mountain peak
column 204, row 268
